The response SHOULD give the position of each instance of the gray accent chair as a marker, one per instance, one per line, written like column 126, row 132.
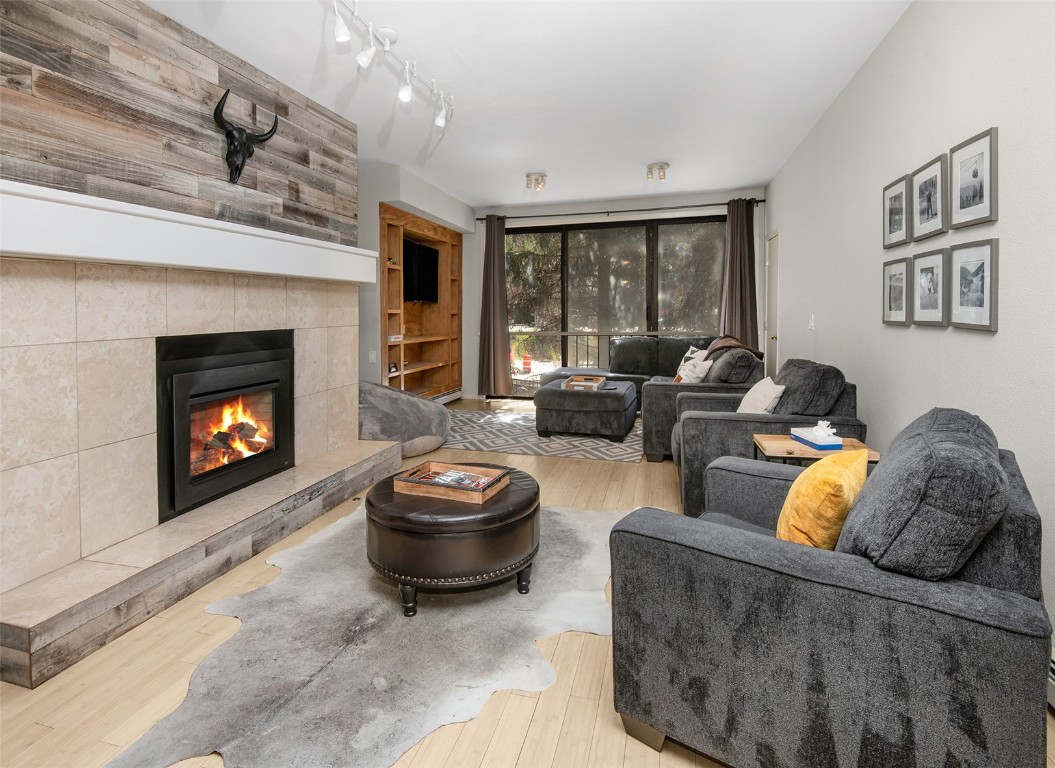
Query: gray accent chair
column 921, row 642
column 417, row 424
column 734, row 372
column 708, row 425
column 637, row 359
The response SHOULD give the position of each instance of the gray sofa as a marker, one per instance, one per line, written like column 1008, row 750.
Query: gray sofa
column 921, row 642
column 734, row 372
column 637, row 359
column 708, row 425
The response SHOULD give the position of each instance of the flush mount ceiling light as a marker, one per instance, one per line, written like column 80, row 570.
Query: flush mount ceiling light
column 657, row 170
column 536, row 181
column 386, row 37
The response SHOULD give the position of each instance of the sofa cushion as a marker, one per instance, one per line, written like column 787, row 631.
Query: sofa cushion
column 636, row 355
column 733, row 367
column 932, row 498
column 671, row 349
column 694, row 371
column 810, row 389
column 820, row 498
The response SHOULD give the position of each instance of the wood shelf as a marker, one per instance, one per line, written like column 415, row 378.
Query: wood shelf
column 429, row 361
column 423, row 365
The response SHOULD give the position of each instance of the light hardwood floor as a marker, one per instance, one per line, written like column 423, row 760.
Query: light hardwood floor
column 89, row 713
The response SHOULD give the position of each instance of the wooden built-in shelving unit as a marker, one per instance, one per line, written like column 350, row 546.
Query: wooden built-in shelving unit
column 423, row 340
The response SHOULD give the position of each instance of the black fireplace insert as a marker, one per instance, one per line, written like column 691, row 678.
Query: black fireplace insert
column 225, row 414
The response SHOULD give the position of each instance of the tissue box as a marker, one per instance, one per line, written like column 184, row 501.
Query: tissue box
column 807, row 436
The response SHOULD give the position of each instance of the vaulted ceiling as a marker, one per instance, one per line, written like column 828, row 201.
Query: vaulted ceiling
column 587, row 91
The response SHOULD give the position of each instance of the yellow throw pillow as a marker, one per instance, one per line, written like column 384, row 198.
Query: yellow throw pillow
column 820, row 498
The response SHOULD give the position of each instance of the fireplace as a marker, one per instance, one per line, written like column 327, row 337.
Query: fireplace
column 225, row 414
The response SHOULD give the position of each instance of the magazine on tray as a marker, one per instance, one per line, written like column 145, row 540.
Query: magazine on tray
column 456, row 479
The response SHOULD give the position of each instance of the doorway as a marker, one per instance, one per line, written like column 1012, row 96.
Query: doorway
column 771, row 314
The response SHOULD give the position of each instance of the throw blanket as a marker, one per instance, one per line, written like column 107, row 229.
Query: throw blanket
column 723, row 344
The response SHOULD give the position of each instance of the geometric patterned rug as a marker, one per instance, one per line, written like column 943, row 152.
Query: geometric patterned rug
column 515, row 433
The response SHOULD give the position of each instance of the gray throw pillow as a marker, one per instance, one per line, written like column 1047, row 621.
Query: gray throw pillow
column 633, row 356
column 810, row 389
column 733, row 367
column 932, row 499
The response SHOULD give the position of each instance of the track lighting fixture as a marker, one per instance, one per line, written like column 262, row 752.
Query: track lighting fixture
column 386, row 38
column 536, row 181
column 655, row 170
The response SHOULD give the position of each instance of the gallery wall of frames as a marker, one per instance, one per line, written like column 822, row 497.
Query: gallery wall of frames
column 955, row 285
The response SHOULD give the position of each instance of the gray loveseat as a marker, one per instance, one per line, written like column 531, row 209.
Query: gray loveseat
column 921, row 642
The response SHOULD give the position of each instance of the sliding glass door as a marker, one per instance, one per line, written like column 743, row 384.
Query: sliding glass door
column 572, row 287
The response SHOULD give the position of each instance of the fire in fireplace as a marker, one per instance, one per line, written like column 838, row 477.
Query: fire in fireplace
column 228, row 430
column 225, row 414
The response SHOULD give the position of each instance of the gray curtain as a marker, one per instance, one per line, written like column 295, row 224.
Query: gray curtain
column 495, row 376
column 739, row 316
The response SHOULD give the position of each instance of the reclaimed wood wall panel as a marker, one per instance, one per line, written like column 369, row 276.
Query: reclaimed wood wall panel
column 111, row 98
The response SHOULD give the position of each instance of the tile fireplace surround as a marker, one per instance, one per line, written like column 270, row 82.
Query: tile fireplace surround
column 80, row 308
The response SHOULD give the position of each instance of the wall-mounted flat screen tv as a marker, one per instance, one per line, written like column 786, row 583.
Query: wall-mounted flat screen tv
column 421, row 267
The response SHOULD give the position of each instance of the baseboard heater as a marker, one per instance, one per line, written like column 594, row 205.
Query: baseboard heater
column 446, row 397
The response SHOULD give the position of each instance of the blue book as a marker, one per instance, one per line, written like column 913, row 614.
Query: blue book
column 832, row 444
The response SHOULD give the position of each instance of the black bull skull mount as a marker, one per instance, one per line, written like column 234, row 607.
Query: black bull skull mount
column 240, row 142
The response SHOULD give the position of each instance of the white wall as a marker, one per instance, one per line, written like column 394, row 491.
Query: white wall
column 396, row 186
column 946, row 71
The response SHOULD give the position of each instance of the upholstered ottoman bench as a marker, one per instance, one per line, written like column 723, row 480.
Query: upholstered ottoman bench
column 607, row 412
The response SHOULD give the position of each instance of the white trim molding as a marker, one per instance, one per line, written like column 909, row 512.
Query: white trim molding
column 45, row 223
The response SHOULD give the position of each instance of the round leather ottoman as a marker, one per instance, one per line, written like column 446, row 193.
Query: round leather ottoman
column 433, row 543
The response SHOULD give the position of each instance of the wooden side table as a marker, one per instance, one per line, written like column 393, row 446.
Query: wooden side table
column 785, row 447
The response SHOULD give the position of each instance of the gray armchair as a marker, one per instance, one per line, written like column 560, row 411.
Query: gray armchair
column 760, row 652
column 709, row 427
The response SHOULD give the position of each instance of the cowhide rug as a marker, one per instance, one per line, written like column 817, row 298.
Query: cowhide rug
column 326, row 671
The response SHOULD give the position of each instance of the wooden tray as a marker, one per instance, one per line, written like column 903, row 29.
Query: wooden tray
column 583, row 383
column 418, row 482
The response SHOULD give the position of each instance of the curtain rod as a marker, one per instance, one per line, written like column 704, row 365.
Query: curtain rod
column 625, row 210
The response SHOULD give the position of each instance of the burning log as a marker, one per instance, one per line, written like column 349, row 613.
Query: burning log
column 244, row 430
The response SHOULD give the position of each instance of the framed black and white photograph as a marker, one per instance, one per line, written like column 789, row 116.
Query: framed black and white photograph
column 929, row 199
column 929, row 275
column 897, row 292
column 973, row 285
column 895, row 213
column 972, row 182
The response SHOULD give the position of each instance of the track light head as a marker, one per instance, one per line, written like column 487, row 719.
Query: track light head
column 441, row 116
column 341, row 33
column 366, row 56
column 406, row 90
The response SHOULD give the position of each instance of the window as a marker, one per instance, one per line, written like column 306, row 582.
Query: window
column 572, row 287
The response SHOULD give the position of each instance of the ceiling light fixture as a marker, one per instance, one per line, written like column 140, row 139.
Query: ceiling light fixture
column 386, row 37
column 536, row 181
column 657, row 170
column 341, row 33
